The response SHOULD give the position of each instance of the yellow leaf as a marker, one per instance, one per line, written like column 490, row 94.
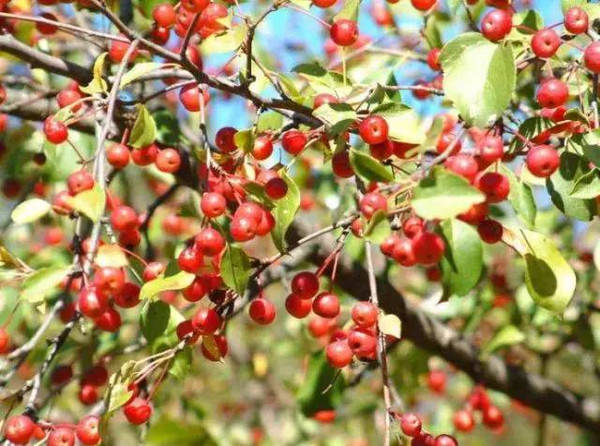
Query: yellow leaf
column 111, row 255
column 389, row 324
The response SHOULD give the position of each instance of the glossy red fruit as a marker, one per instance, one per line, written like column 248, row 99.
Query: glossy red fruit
column 373, row 129
column 222, row 348
column 545, row 43
column 88, row 394
column 298, row 307
column 210, row 241
column 243, row 228
column 463, row 420
column 160, row 35
column 319, row 326
column 128, row 296
column 152, row 271
column 433, row 59
column 344, row 32
column 363, row 343
column 164, row 15
column 118, row 155
column 67, row 97
column 494, row 185
column 428, row 248
column 138, row 411
column 80, row 181
column 293, row 141
column 475, row 214
column 213, row 204
column 372, row 202
column 56, row 132
column 192, row 97
column 324, row 3
column 552, row 93
column 339, row 354
column 412, row 226
column 445, row 440
column 117, row 50
column 340, row 164
column 448, row 143
column 168, row 160
column 496, row 24
column 542, row 161
column 91, row 303
column 194, row 5
column 224, row 139
column 382, row 151
column 490, row 231
column 490, row 148
column 591, row 57
column 109, row 320
column 124, row 218
column 326, row 305
column 423, row 5
column 109, row 280
column 206, row 321
column 96, row 376
column 262, row 311
column 462, row 164
column 388, row 245
column 196, row 290
column 410, row 424
column 404, row 252
column 324, row 98
column 305, row 285
column 276, row 188
column 190, row 260
column 19, row 429
column 436, row 381
column 211, row 19
column 61, row 436
column 87, row 430
column 145, row 156
column 576, row 20
column 4, row 341
column 364, row 314
column 263, row 147
column 492, row 417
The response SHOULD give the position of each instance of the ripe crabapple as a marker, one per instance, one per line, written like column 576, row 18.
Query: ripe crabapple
column 109, row 320
column 213, row 204
column 436, row 381
column 373, row 129
column 56, row 132
column 137, row 411
column 326, row 305
column 222, row 347
column 61, row 436
column 88, row 394
column 168, row 160
column 340, row 163
column 372, row 202
column 190, row 259
column 124, row 218
column 19, row 429
column 576, row 20
column 262, row 311
column 552, row 93
column 209, row 241
column 344, row 32
column 206, row 321
column 298, row 307
column 263, row 147
column 545, row 43
column 423, row 5
column 305, row 285
column 494, row 185
column 117, row 50
column 224, row 139
column 91, row 303
column 463, row 420
column 428, row 248
column 591, row 57
column 410, row 424
column 339, row 354
column 293, row 141
column 164, row 15
column 364, row 314
column 542, row 161
column 462, row 164
column 404, row 252
column 496, row 24
column 118, row 155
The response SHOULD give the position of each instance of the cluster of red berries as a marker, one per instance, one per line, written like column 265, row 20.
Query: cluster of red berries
column 411, row 426
column 21, row 429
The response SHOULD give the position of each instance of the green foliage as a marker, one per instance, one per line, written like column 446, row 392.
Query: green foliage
column 369, row 168
column 177, row 281
column 311, row 396
column 284, row 212
column 143, row 132
column 235, row 268
column 41, row 283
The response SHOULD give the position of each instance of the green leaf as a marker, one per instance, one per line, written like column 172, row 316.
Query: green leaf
column 269, row 120
column 285, row 211
column 433, row 135
column 587, row 144
column 167, row 127
column 90, row 203
column 369, row 168
column 521, row 198
column 111, row 255
column 224, row 42
column 244, row 140
column 30, row 210
column 177, row 281
column 549, row 278
column 143, row 132
column 561, row 184
column 349, row 11
column 479, row 77
column 319, row 77
column 378, row 228
column 235, row 269
column 444, row 195
column 338, row 117
column 182, row 364
column 154, row 319
column 320, row 375
column 587, row 186
column 529, row 129
column 137, row 71
column 565, row 5
column 43, row 282
column 97, row 84
column 168, row 432
column 117, row 392
column 507, row 336
column 462, row 263
column 403, row 122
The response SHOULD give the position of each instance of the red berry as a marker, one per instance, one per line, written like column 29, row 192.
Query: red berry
column 388, row 245
column 137, row 411
column 109, row 280
column 445, row 440
column 276, row 188
column 436, row 381
column 492, row 417
column 490, row 148
column 145, row 156
column 196, row 291
column 128, row 296
column 194, row 5
column 109, row 320
column 305, row 285
column 324, row 3
column 262, row 311
column 190, row 260
column 263, row 147
column 80, row 181
column 206, row 321
column 364, row 314
column 462, row 164
column 88, row 394
column 340, row 164
column 222, row 347
column 490, row 231
column 446, row 140
column 475, row 214
column 192, row 97
column 213, row 204
column 184, row 329
column 168, row 160
column 61, row 375
column 160, row 35
column 19, row 429
column 96, row 376
column 339, row 354
column 363, row 343
column 61, row 436
column 372, row 202
column 210, row 241
column 463, row 420
column 545, row 43
column 404, row 252
column 67, row 97
column 326, row 305
column 324, row 98
column 88, row 430
column 124, row 218
column 320, row 326
column 56, row 132
column 591, row 57
column 117, row 50
column 152, row 271
column 224, row 139
column 373, row 130
column 576, row 20
column 118, row 155
column 293, row 141
column 496, row 24
column 552, row 93
column 428, row 248
column 382, row 151
column 91, row 303
column 433, row 59
column 243, row 229
column 344, row 32
column 410, row 424
column 412, row 226
column 298, row 307
column 164, row 15
column 423, row 5
column 494, row 185
column 542, row 161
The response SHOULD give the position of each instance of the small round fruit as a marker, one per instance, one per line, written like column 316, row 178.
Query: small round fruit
column 210, row 241
column 118, row 156
column 243, row 228
column 56, row 132
column 305, row 285
column 552, row 93
column 168, row 160
column 88, row 430
column 545, row 43
column 494, row 185
column 124, row 218
column 490, row 231
column 433, row 59
column 372, row 202
column 213, row 204
column 190, row 260
column 262, row 311
column 410, row 424
column 344, row 32
column 576, row 20
column 542, row 161
column 61, row 436
column 276, row 188
column 224, row 139
column 364, row 314
column 206, row 321
column 263, row 147
column 138, row 411
column 91, row 303
column 293, row 141
column 298, row 307
column 496, row 24
column 326, row 305
column 463, row 420
column 164, row 15
column 428, row 248
column 591, row 57
column 340, row 164
column 373, row 129
column 404, row 252
column 423, row 5
column 445, row 440
column 339, row 354
column 19, row 429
